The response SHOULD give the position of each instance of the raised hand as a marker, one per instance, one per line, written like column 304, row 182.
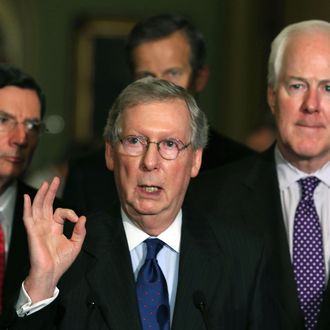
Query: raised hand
column 51, row 252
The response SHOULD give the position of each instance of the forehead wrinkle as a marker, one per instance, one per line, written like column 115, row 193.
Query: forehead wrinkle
column 160, row 126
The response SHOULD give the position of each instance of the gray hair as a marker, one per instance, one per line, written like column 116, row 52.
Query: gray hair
column 280, row 43
column 148, row 90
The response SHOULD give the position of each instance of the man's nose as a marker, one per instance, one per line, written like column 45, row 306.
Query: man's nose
column 312, row 101
column 151, row 157
column 18, row 134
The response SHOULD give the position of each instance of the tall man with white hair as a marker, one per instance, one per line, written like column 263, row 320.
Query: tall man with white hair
column 285, row 191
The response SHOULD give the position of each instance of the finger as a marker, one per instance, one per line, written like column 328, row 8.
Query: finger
column 37, row 205
column 50, row 197
column 79, row 231
column 61, row 215
column 27, row 210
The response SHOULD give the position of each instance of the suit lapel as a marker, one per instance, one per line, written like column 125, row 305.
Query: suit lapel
column 264, row 192
column 324, row 319
column 199, row 270
column 18, row 258
column 111, row 278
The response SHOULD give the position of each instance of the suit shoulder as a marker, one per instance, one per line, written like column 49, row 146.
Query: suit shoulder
column 226, row 173
column 229, row 145
column 94, row 159
column 222, row 150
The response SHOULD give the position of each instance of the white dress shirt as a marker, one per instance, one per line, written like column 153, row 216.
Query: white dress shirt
column 7, row 207
column 290, row 192
column 168, row 256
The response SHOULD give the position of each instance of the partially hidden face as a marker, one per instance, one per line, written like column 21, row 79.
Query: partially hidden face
column 301, row 101
column 150, row 185
column 16, row 146
column 167, row 58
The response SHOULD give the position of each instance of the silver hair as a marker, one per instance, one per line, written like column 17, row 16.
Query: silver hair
column 148, row 90
column 280, row 44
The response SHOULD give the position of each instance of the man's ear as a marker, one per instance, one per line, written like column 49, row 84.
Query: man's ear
column 271, row 98
column 109, row 156
column 201, row 79
column 197, row 162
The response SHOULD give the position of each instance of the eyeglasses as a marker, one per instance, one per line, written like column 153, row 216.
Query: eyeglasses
column 136, row 145
column 33, row 127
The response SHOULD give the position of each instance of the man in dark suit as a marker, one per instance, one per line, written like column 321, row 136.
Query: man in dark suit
column 22, row 106
column 155, row 135
column 167, row 47
column 267, row 192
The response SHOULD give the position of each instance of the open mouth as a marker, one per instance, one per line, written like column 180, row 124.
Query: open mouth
column 150, row 189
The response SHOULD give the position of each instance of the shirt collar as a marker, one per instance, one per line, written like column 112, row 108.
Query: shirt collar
column 288, row 174
column 135, row 236
column 7, row 202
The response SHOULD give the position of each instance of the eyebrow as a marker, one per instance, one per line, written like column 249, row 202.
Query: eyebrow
column 144, row 72
column 174, row 68
column 297, row 78
column 322, row 81
column 9, row 115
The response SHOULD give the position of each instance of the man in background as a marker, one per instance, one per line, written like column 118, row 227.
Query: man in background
column 22, row 106
column 167, row 47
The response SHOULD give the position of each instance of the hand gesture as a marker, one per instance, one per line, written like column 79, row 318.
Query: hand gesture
column 51, row 252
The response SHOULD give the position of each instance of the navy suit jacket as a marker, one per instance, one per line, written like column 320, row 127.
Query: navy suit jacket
column 98, row 291
column 248, row 192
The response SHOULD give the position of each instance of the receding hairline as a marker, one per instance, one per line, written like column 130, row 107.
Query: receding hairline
column 167, row 100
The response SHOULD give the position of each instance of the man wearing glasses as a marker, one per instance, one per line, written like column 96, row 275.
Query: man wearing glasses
column 22, row 105
column 149, row 263
column 168, row 47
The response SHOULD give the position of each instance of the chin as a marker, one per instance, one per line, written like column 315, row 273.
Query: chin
column 148, row 210
column 309, row 152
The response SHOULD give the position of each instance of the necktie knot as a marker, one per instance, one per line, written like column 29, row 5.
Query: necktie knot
column 154, row 245
column 308, row 186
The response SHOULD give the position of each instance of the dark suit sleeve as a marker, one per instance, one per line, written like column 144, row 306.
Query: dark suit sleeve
column 265, row 309
column 41, row 320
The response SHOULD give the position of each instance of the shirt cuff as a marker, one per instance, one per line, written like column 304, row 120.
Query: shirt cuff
column 24, row 304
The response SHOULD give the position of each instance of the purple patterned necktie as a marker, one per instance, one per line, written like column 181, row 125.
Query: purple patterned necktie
column 308, row 258
column 151, row 290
